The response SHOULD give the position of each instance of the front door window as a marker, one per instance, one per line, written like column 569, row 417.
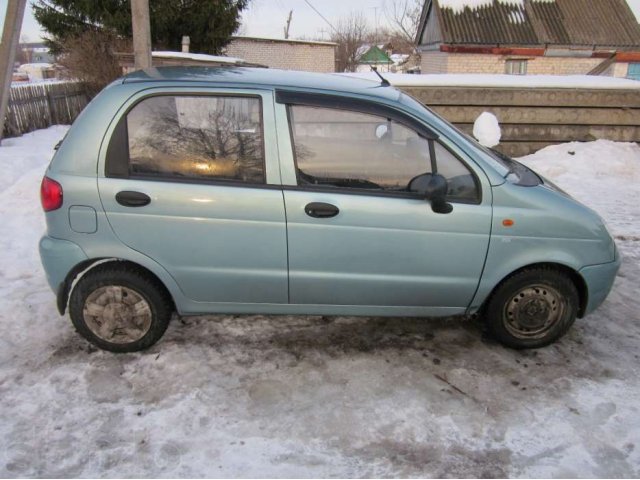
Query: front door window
column 351, row 150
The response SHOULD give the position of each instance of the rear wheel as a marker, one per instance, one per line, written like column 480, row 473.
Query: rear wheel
column 120, row 309
column 533, row 308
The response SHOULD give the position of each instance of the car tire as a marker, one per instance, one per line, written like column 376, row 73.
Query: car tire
column 120, row 309
column 532, row 308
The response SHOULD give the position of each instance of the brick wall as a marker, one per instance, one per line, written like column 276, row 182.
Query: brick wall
column 440, row 62
column 287, row 55
column 434, row 61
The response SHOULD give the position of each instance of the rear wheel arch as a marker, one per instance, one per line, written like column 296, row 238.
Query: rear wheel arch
column 77, row 272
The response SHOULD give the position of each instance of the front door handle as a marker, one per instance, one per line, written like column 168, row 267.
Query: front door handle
column 132, row 199
column 321, row 210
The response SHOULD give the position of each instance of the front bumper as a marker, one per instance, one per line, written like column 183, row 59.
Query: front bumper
column 599, row 280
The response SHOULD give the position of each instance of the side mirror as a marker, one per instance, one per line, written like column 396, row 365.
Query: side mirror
column 434, row 188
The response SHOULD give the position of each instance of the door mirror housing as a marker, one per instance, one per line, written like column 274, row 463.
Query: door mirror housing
column 432, row 187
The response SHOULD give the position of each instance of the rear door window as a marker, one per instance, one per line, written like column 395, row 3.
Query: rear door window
column 196, row 137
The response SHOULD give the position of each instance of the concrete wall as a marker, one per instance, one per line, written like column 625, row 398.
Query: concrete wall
column 441, row 62
column 534, row 118
column 287, row 55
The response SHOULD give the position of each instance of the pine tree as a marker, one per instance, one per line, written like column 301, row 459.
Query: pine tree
column 208, row 23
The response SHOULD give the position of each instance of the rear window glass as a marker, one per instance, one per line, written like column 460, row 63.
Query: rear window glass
column 197, row 137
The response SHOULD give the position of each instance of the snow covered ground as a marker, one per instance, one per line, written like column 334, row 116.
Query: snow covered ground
column 240, row 396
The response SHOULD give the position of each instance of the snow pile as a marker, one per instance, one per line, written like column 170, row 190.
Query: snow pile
column 293, row 396
column 32, row 151
column 203, row 57
column 486, row 129
column 502, row 80
column 604, row 175
column 25, row 67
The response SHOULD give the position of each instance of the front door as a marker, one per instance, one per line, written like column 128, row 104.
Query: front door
column 186, row 184
column 357, row 235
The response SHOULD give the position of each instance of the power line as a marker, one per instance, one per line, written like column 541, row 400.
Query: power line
column 321, row 16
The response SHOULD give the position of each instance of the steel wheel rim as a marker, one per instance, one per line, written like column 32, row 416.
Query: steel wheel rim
column 533, row 311
column 117, row 314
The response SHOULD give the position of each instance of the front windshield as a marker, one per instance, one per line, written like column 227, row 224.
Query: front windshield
column 507, row 167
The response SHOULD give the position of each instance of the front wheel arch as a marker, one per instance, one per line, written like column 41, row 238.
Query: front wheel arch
column 574, row 276
column 66, row 287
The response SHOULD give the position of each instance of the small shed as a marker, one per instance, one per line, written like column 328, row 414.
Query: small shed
column 286, row 54
column 38, row 71
column 374, row 56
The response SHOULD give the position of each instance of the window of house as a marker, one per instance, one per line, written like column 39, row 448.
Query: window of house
column 633, row 71
column 205, row 137
column 348, row 149
column 516, row 67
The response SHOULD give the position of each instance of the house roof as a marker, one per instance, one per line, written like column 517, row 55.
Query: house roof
column 582, row 23
column 283, row 40
column 198, row 56
column 169, row 58
column 374, row 56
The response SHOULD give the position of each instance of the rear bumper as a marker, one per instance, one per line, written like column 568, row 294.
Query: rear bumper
column 599, row 280
column 58, row 259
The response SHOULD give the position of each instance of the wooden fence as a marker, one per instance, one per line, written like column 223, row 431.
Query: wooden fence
column 41, row 105
column 533, row 118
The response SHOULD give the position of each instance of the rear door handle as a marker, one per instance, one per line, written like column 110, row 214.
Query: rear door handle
column 132, row 199
column 321, row 210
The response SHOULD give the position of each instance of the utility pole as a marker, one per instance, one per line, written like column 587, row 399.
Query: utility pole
column 10, row 39
column 286, row 29
column 375, row 16
column 141, row 33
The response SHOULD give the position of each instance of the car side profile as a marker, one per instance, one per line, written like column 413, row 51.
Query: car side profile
column 242, row 190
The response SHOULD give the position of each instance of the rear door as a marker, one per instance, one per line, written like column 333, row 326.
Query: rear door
column 357, row 236
column 191, row 179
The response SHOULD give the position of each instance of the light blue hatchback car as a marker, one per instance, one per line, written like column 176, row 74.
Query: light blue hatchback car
column 239, row 190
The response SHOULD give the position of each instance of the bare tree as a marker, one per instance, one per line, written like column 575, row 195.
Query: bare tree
column 90, row 57
column 350, row 34
column 22, row 55
column 404, row 18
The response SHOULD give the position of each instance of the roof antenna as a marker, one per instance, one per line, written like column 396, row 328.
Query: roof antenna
column 384, row 82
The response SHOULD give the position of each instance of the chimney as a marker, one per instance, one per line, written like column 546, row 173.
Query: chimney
column 185, row 44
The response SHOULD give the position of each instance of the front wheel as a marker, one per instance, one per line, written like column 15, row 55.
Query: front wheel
column 533, row 308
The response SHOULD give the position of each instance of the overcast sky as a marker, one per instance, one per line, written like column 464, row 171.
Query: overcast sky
column 267, row 17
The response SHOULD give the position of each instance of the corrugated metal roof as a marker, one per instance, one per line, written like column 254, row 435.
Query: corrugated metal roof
column 600, row 23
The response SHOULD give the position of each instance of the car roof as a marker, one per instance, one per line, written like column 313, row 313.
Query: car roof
column 263, row 77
